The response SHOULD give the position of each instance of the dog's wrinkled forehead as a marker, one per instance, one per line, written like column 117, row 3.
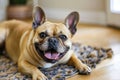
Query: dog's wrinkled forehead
column 54, row 29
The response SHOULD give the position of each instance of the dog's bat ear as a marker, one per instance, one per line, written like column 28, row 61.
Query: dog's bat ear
column 38, row 17
column 71, row 22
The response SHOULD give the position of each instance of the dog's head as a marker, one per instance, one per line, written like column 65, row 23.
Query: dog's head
column 53, row 40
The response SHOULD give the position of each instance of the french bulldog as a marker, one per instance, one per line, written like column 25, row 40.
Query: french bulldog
column 41, row 44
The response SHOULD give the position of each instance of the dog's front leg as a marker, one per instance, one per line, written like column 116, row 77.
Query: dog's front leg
column 27, row 68
column 83, row 68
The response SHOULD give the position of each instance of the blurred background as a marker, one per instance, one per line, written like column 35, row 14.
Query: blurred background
column 103, row 12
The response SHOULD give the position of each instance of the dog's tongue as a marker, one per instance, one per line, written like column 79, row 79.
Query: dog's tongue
column 50, row 55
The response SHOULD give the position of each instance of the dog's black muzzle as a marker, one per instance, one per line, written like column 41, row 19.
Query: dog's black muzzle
column 53, row 43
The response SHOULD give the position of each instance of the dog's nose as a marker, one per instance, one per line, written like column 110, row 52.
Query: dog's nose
column 53, row 42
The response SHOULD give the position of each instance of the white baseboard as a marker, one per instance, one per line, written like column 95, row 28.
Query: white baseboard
column 93, row 17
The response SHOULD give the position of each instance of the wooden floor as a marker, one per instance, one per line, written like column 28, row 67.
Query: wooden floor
column 100, row 36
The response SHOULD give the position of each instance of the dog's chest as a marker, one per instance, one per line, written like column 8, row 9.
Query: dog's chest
column 44, row 64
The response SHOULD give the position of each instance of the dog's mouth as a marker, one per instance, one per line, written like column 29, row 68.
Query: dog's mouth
column 50, row 55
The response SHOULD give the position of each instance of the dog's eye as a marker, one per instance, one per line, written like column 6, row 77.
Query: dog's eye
column 43, row 35
column 63, row 37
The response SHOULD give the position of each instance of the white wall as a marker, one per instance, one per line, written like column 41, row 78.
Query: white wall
column 91, row 11
column 3, row 8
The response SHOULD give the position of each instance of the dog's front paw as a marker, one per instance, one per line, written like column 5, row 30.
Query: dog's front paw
column 37, row 75
column 84, row 69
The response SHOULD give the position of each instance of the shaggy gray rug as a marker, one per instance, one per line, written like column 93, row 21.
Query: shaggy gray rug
column 87, row 54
